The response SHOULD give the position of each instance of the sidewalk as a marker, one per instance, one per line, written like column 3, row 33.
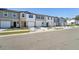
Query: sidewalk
column 31, row 31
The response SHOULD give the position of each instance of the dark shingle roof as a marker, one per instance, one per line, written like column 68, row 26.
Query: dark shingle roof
column 5, row 9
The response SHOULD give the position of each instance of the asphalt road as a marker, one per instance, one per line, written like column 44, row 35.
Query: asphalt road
column 58, row 40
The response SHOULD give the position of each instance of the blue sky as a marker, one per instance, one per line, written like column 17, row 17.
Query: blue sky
column 61, row 12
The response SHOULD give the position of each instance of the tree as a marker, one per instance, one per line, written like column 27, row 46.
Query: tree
column 77, row 17
column 67, row 18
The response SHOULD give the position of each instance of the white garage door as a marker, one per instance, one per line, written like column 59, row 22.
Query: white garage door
column 38, row 23
column 5, row 24
column 30, row 24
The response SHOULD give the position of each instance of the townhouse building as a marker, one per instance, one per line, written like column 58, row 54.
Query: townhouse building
column 40, row 20
column 59, row 21
column 27, row 19
column 62, row 21
column 9, row 18
column 56, row 21
column 13, row 19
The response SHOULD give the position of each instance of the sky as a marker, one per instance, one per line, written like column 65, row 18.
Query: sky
column 60, row 12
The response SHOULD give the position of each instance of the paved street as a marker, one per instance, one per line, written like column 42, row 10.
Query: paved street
column 58, row 40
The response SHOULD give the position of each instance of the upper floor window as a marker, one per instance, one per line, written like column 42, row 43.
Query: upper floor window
column 56, row 20
column 37, row 17
column 6, row 14
column 23, row 15
column 48, row 18
column 30, row 16
column 42, row 17
column 14, row 15
column 51, row 18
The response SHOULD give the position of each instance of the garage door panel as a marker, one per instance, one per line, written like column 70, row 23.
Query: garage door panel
column 38, row 23
column 5, row 24
column 30, row 24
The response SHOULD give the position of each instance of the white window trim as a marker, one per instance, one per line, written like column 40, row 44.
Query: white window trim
column 5, row 13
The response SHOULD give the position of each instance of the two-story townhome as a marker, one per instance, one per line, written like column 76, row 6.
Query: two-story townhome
column 30, row 19
column 56, row 21
column 22, row 19
column 40, row 20
column 50, row 21
column 9, row 18
column 62, row 21
column 27, row 19
column 59, row 21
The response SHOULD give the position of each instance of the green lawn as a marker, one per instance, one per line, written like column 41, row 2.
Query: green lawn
column 73, row 25
column 8, row 33
column 14, row 31
column 11, row 29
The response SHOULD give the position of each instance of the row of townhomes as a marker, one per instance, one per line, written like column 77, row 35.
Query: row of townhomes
column 19, row 19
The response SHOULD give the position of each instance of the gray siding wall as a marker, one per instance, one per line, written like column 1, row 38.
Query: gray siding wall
column 10, row 15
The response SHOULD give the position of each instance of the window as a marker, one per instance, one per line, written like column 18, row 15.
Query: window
column 37, row 17
column 54, row 20
column 30, row 16
column 14, row 15
column 51, row 18
column 23, row 15
column 5, row 14
column 42, row 22
column 58, row 20
column 48, row 18
column 42, row 17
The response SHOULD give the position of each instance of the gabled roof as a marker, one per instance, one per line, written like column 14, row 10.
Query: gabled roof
column 27, row 12
column 4, row 9
column 35, row 13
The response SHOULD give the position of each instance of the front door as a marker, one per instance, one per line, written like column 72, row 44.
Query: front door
column 14, row 24
column 24, row 24
column 47, row 24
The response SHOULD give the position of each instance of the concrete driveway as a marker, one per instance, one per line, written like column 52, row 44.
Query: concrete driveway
column 58, row 40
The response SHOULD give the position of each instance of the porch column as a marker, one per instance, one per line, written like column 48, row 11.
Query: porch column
column 20, row 24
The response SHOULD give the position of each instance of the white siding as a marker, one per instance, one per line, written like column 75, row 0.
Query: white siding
column 30, row 19
column 69, row 22
column 51, row 21
column 77, row 21
column 46, row 19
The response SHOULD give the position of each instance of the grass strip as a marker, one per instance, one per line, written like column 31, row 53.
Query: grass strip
column 14, row 32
